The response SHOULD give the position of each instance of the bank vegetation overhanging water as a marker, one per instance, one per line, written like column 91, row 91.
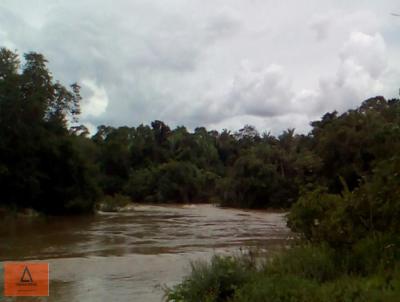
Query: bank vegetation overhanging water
column 50, row 163
column 117, row 256
column 341, row 180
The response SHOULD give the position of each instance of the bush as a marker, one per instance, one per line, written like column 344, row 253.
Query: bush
column 376, row 288
column 277, row 289
column 141, row 184
column 179, row 182
column 303, row 274
column 257, row 181
column 171, row 182
column 377, row 254
column 317, row 216
column 308, row 261
column 344, row 219
column 213, row 282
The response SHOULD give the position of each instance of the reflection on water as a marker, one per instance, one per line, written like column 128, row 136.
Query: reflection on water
column 129, row 256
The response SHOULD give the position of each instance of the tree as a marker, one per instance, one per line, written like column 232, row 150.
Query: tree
column 41, row 166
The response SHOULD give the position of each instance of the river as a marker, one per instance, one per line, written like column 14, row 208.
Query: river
column 131, row 256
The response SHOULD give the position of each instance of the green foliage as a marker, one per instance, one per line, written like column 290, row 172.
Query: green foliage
column 277, row 288
column 171, row 182
column 308, row 216
column 309, row 261
column 344, row 173
column 353, row 249
column 344, row 219
column 41, row 163
column 379, row 254
column 269, row 172
column 155, row 164
column 178, row 181
column 258, row 179
column 141, row 185
column 213, row 282
column 342, row 182
column 350, row 144
column 305, row 273
column 287, row 288
column 246, row 169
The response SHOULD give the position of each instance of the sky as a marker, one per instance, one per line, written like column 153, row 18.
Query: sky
column 215, row 63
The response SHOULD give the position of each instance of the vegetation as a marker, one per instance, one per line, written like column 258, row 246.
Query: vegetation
column 42, row 165
column 347, row 218
column 49, row 162
column 341, row 182
column 369, row 271
column 246, row 169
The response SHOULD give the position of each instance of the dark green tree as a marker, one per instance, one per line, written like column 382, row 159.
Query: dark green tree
column 42, row 166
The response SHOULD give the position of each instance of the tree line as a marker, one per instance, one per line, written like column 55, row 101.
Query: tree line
column 56, row 168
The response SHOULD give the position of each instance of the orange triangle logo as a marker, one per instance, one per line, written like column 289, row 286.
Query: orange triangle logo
column 26, row 276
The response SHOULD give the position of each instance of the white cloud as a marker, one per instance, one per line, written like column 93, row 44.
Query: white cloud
column 321, row 25
column 260, row 93
column 274, row 124
column 362, row 73
column 268, row 93
column 182, row 61
column 96, row 100
column 366, row 51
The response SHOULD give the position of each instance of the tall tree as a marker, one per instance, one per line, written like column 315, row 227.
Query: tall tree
column 40, row 164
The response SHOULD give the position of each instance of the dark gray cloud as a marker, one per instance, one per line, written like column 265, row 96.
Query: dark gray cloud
column 214, row 63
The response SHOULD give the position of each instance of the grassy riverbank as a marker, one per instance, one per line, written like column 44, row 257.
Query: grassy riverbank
column 349, row 251
column 369, row 271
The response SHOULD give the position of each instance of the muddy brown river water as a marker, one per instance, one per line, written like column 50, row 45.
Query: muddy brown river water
column 130, row 256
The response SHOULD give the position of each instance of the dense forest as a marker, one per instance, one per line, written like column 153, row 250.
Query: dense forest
column 50, row 163
column 341, row 182
column 346, row 219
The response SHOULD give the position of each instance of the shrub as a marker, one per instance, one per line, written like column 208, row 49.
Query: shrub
column 213, row 282
column 179, row 182
column 308, row 273
column 308, row 261
column 377, row 254
column 342, row 220
column 375, row 288
column 317, row 216
column 141, row 184
column 279, row 288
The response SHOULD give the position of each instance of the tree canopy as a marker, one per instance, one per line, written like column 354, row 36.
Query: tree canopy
column 41, row 164
column 49, row 162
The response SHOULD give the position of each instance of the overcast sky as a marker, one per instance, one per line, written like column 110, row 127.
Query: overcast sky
column 214, row 63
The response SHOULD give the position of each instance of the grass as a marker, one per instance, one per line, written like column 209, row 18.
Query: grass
column 368, row 271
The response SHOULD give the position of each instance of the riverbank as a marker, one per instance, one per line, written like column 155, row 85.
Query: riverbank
column 121, row 203
column 304, row 273
column 132, row 255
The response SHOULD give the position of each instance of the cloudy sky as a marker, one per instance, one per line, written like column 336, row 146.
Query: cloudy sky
column 274, row 64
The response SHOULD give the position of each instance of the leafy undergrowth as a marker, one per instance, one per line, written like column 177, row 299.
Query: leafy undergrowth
column 369, row 271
